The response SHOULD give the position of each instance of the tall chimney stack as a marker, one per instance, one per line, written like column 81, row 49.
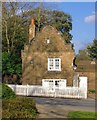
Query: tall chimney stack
column 31, row 30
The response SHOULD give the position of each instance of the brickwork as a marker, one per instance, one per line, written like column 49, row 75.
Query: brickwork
column 88, row 68
column 35, row 57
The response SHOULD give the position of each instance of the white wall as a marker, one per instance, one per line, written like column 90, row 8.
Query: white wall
column 83, row 84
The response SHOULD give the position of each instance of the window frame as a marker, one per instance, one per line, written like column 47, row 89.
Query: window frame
column 54, row 64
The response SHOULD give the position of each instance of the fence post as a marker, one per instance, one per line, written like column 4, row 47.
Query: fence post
column 83, row 85
column 27, row 90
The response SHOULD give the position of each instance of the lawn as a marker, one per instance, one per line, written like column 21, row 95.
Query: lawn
column 82, row 115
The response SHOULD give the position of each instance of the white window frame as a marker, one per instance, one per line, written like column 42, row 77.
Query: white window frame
column 54, row 64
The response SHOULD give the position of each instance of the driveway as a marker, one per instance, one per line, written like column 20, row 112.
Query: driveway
column 59, row 107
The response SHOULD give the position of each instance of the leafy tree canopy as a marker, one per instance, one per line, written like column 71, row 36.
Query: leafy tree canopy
column 11, row 64
column 82, row 55
column 92, row 49
column 58, row 19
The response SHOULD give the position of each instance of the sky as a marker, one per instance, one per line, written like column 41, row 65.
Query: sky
column 83, row 21
column 68, row 0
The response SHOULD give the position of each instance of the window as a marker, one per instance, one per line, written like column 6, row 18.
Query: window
column 54, row 64
column 48, row 41
column 56, row 83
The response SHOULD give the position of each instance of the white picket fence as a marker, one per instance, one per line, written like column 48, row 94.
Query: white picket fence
column 67, row 92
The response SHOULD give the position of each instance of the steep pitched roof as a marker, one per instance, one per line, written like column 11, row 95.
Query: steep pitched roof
column 56, row 41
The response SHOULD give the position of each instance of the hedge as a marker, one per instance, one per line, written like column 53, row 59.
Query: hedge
column 21, row 107
column 7, row 92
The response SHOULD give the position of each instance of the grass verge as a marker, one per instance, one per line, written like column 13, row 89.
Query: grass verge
column 82, row 115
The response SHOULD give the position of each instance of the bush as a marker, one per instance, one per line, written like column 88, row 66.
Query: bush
column 17, row 114
column 20, row 107
column 0, row 90
column 7, row 92
column 92, row 91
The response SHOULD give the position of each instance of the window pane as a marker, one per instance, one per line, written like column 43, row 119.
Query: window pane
column 51, row 64
column 56, row 63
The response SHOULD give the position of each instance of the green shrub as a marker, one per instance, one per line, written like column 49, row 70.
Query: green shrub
column 7, row 92
column 92, row 91
column 17, row 114
column 0, row 90
column 21, row 107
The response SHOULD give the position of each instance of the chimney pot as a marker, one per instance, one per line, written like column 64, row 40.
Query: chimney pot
column 31, row 30
column 32, row 22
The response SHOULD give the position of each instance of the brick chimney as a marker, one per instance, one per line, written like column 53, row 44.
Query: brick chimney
column 31, row 30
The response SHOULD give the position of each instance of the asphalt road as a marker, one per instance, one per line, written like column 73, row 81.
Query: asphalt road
column 62, row 101
column 59, row 107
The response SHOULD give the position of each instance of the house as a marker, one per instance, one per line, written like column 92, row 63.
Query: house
column 47, row 58
column 88, row 68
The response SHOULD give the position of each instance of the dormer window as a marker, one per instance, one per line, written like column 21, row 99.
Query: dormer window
column 54, row 64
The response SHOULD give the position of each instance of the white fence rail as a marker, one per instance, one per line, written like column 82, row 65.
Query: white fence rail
column 68, row 92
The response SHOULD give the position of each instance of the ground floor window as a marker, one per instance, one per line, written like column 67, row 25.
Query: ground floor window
column 54, row 64
column 54, row 83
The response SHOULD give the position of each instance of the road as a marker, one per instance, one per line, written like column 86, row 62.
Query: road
column 59, row 107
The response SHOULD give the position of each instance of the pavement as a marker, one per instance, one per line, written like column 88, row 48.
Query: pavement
column 60, row 107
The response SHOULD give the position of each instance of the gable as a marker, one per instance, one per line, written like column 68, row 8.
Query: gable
column 50, row 40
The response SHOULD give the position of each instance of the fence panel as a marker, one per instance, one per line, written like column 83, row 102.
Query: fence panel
column 29, row 90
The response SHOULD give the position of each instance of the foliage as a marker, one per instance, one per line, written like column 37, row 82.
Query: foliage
column 0, row 62
column 0, row 90
column 84, row 115
column 14, row 32
column 7, row 92
column 89, row 53
column 82, row 55
column 14, row 35
column 58, row 19
column 19, row 108
column 11, row 64
column 16, row 18
column 92, row 49
column 92, row 91
column 15, row 24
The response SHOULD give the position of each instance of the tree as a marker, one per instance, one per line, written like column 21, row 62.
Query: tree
column 14, row 33
column 58, row 19
column 11, row 65
column 82, row 55
column 92, row 49
column 16, row 18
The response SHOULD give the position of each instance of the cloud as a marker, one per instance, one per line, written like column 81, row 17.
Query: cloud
column 93, row 12
column 90, row 19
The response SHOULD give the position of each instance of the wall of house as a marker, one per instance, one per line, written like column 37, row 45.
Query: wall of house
column 35, row 58
column 34, row 73
column 89, row 69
